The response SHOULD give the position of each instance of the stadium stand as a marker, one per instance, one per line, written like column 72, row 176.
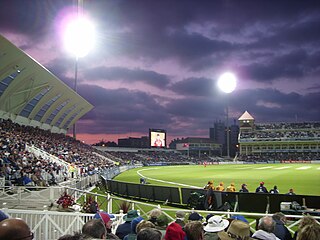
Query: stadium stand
column 278, row 142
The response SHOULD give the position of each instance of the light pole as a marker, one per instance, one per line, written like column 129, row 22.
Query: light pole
column 227, row 83
column 79, row 39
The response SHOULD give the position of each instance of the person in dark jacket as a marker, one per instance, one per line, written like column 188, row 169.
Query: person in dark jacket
column 125, row 228
column 244, row 188
column 274, row 190
column 281, row 231
column 261, row 188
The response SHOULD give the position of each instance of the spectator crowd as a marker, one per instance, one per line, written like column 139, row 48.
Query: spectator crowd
column 186, row 226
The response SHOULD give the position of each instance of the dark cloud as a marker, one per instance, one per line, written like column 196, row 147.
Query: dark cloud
column 295, row 65
column 128, row 75
column 195, row 87
column 122, row 109
column 270, row 105
column 33, row 18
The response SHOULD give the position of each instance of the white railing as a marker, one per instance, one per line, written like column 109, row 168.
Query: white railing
column 37, row 197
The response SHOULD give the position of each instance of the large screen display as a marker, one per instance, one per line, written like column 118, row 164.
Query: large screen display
column 157, row 138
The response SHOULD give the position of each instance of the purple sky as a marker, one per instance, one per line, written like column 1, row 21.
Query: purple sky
column 156, row 63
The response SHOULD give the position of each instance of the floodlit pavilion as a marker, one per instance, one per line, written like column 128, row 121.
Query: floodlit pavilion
column 31, row 95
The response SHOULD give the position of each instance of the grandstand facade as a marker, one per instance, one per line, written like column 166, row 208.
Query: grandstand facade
column 31, row 95
column 279, row 141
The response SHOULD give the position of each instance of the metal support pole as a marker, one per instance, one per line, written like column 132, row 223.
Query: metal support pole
column 228, row 134
column 76, row 90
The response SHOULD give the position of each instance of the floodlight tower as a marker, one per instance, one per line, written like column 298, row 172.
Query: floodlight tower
column 227, row 83
column 79, row 39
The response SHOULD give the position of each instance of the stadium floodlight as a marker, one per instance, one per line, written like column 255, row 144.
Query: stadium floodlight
column 79, row 36
column 79, row 39
column 227, row 83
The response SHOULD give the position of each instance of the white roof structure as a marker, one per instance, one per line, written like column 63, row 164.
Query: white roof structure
column 246, row 116
column 31, row 95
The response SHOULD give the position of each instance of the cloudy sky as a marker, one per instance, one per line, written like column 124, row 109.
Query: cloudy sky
column 155, row 63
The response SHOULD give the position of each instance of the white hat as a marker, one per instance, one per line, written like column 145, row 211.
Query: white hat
column 216, row 224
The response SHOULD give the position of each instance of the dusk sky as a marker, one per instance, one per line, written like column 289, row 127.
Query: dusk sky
column 155, row 63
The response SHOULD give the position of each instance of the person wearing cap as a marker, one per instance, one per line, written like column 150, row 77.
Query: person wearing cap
column 238, row 230
column 133, row 234
column 106, row 219
column 261, row 188
column 244, row 188
column 180, row 215
column 195, row 217
column 125, row 228
column 215, row 225
column 174, row 232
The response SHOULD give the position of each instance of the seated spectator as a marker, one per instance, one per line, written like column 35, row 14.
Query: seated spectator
column 244, row 188
column 125, row 228
column 180, row 215
column 149, row 234
column 144, row 224
column 238, row 230
column 239, row 217
column 209, row 185
column 261, row 188
column 106, row 220
column 215, row 225
column 266, row 228
column 133, row 234
column 195, row 217
column 274, row 190
column 231, row 188
column 162, row 223
column 220, row 187
column 15, row 228
column 174, row 232
column 154, row 214
column 194, row 230
column 281, row 231
column 306, row 220
column 94, row 228
column 291, row 192
column 309, row 232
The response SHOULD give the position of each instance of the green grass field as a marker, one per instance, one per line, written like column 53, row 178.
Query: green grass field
column 303, row 178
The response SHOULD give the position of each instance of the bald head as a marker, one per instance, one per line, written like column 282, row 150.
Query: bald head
column 14, row 228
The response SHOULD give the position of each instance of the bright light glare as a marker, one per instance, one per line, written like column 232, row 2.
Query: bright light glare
column 227, row 82
column 79, row 37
